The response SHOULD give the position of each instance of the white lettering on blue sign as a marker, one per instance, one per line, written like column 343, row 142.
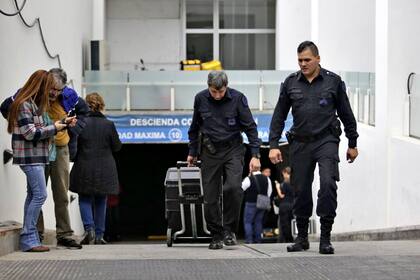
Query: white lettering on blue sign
column 186, row 121
column 175, row 135
column 149, row 135
column 154, row 122
column 125, row 135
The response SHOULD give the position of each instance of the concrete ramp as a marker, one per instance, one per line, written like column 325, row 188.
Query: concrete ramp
column 353, row 260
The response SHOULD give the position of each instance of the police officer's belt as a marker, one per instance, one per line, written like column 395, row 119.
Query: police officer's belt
column 228, row 143
column 311, row 138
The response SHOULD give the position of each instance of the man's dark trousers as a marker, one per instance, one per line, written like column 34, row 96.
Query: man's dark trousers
column 303, row 158
column 228, row 162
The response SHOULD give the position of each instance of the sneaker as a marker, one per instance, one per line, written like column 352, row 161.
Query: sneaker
column 229, row 238
column 88, row 237
column 100, row 241
column 68, row 243
column 38, row 249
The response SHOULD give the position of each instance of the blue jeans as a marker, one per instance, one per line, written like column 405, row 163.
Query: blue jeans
column 36, row 195
column 253, row 222
column 93, row 212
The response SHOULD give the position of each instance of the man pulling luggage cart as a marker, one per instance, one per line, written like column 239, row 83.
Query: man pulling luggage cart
column 220, row 115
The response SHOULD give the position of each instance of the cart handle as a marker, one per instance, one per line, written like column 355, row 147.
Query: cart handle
column 180, row 164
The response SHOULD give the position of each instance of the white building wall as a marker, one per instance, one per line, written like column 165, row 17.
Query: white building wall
column 346, row 34
column 381, row 188
column 293, row 26
column 67, row 27
column 147, row 29
column 404, row 152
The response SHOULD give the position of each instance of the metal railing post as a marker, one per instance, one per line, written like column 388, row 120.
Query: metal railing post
column 172, row 98
column 356, row 104
column 128, row 98
column 366, row 107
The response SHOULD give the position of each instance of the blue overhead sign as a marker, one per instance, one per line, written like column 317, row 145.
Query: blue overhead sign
column 164, row 128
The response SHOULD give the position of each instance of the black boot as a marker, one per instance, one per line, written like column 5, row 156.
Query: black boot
column 325, row 246
column 301, row 241
column 216, row 243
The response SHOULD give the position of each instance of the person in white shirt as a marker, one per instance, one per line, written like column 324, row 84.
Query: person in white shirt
column 256, row 183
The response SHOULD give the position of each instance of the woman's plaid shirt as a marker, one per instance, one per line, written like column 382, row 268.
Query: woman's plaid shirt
column 31, row 136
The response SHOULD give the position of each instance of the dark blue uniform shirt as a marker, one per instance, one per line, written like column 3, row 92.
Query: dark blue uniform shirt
column 222, row 120
column 314, row 105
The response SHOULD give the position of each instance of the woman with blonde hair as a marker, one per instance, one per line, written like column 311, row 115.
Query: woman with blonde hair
column 94, row 173
column 31, row 137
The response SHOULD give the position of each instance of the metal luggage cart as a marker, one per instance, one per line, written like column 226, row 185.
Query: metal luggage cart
column 184, row 205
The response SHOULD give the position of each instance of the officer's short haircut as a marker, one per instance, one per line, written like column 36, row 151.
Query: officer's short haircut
column 308, row 45
column 217, row 79
column 59, row 75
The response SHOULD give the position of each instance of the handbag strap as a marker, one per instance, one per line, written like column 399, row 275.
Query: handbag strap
column 257, row 184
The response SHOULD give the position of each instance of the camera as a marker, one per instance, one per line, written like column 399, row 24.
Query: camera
column 71, row 113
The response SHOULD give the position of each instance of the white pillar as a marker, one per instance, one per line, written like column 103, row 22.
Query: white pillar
column 98, row 20
column 292, row 27
column 278, row 34
column 381, row 88
column 315, row 21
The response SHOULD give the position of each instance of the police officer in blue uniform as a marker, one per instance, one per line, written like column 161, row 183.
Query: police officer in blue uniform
column 220, row 115
column 316, row 97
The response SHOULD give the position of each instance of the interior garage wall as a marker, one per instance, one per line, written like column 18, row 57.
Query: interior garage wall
column 147, row 29
column 67, row 27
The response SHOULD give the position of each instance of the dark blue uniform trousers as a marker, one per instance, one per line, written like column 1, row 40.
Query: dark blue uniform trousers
column 227, row 162
column 303, row 159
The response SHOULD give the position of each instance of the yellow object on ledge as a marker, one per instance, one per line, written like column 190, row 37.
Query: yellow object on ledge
column 191, row 65
column 212, row 65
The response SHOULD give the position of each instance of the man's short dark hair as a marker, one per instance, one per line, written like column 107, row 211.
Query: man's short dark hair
column 308, row 45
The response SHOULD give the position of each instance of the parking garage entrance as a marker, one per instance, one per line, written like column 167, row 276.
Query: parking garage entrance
column 142, row 169
column 151, row 145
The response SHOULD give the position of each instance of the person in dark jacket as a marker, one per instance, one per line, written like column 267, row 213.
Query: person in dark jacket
column 286, row 197
column 318, row 98
column 94, row 173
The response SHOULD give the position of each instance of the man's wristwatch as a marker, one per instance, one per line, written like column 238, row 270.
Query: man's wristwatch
column 258, row 156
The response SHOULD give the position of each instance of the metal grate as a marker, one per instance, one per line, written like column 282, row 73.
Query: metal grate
column 337, row 267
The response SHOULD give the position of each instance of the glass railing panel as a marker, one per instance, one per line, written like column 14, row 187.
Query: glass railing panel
column 150, row 97
column 271, row 81
column 150, row 90
column 114, row 95
column 105, row 76
column 247, row 82
column 186, row 85
column 351, row 79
